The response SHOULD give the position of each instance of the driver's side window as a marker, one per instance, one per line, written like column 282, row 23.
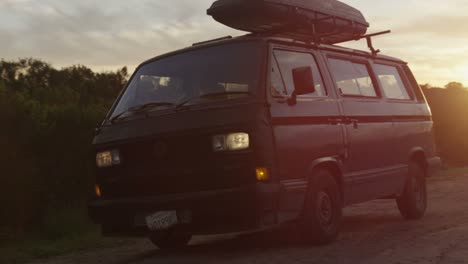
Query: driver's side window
column 283, row 64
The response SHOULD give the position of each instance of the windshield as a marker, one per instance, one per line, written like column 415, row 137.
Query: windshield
column 216, row 73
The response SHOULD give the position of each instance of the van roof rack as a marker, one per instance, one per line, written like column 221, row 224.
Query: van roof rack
column 212, row 40
column 368, row 37
column 317, row 39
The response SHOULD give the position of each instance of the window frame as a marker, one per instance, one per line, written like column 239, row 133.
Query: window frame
column 253, row 93
column 403, row 78
column 273, row 59
column 357, row 60
column 419, row 96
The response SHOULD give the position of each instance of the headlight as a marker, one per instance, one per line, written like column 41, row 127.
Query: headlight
column 231, row 142
column 107, row 158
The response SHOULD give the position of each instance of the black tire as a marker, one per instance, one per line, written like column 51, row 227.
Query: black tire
column 321, row 219
column 413, row 202
column 170, row 239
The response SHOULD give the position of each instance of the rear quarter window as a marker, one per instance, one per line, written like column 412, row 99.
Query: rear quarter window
column 414, row 84
column 391, row 82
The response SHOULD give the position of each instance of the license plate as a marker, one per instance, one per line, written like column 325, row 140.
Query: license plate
column 161, row 220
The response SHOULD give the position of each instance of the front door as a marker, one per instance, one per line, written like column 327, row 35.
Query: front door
column 305, row 131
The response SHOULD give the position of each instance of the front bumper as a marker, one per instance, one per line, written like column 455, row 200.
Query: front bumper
column 218, row 211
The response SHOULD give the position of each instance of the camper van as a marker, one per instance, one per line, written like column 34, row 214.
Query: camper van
column 277, row 127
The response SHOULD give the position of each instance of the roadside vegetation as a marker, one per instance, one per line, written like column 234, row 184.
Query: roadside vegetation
column 47, row 118
column 450, row 110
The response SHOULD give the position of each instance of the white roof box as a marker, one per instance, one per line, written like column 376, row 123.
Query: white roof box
column 320, row 21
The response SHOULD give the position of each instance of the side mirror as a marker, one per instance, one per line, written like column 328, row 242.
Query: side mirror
column 303, row 82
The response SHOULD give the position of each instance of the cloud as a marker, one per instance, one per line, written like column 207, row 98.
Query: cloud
column 84, row 33
column 448, row 26
column 109, row 34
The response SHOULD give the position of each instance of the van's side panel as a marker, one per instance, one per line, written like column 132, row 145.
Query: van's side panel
column 303, row 133
column 413, row 123
column 371, row 161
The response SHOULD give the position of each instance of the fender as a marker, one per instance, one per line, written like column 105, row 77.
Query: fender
column 325, row 160
column 293, row 192
column 333, row 163
column 431, row 164
column 414, row 151
column 420, row 154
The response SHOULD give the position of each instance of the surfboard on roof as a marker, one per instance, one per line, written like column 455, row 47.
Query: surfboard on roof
column 325, row 21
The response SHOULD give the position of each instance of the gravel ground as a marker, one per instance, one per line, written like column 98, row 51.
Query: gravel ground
column 373, row 232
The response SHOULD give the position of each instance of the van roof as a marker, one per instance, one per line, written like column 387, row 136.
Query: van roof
column 280, row 40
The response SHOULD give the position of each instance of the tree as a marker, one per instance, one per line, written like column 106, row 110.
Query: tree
column 454, row 86
column 48, row 118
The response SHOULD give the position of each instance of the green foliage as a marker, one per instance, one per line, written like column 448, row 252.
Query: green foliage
column 450, row 109
column 47, row 119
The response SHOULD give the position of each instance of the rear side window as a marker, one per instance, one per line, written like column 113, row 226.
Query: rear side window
column 287, row 61
column 391, row 82
column 352, row 78
column 414, row 84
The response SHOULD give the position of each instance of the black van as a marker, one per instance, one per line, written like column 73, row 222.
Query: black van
column 247, row 133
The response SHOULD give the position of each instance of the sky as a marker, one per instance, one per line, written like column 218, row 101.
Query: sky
column 431, row 35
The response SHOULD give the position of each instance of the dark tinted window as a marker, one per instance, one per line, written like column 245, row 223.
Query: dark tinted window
column 288, row 61
column 391, row 82
column 352, row 78
column 231, row 68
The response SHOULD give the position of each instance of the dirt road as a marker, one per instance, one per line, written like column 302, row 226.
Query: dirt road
column 372, row 233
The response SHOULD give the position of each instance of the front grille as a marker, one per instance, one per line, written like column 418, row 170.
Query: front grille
column 156, row 155
column 176, row 165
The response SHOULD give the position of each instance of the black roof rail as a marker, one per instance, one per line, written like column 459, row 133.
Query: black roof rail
column 212, row 40
column 368, row 37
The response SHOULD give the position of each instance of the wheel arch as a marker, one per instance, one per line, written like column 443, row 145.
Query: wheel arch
column 331, row 164
column 418, row 155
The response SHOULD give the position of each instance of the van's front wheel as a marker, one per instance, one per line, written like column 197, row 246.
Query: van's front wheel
column 170, row 239
column 413, row 202
column 321, row 219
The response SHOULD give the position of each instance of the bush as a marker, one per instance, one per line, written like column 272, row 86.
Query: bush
column 449, row 110
column 48, row 118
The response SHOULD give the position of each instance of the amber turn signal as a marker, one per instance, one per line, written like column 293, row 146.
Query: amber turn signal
column 98, row 191
column 262, row 174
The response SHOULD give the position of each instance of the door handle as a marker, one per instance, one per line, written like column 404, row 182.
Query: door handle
column 345, row 121
column 352, row 121
column 355, row 123
column 335, row 121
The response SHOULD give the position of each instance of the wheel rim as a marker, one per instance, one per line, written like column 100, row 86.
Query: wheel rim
column 325, row 209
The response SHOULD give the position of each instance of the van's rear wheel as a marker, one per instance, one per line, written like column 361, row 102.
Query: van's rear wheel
column 413, row 202
column 321, row 219
column 170, row 239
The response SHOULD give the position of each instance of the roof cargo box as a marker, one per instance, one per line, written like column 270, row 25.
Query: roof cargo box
column 325, row 21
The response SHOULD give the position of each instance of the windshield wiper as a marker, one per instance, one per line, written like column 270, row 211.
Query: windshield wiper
column 208, row 95
column 115, row 118
column 147, row 106
column 221, row 93
column 140, row 108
